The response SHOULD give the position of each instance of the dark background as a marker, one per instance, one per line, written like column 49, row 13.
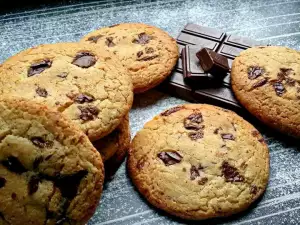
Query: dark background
column 29, row 23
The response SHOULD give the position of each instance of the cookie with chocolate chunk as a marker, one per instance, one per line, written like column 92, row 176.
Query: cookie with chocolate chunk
column 50, row 173
column 147, row 52
column 266, row 81
column 199, row 161
column 113, row 147
column 86, row 84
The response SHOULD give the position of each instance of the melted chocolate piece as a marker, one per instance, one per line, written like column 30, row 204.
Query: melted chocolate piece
column 253, row 189
column 88, row 112
column 228, row 137
column 68, row 184
column 14, row 196
column 279, row 88
column 193, row 121
column 254, row 72
column 170, row 157
column 148, row 58
column 230, row 173
column 62, row 75
column 260, row 83
column 139, row 54
column 33, row 185
column 143, row 39
column 84, row 60
column 216, row 131
column 149, row 50
column 110, row 42
column 170, row 111
column 83, row 98
column 2, row 182
column 41, row 142
column 94, row 39
column 41, row 92
column 37, row 162
column 203, row 181
column 39, row 67
column 196, row 135
column 14, row 165
column 195, row 172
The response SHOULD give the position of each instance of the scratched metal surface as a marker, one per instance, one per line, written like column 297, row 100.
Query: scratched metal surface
column 273, row 21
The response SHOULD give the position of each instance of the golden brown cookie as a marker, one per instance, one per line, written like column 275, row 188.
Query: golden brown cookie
column 146, row 51
column 113, row 148
column 50, row 173
column 266, row 81
column 199, row 161
column 86, row 84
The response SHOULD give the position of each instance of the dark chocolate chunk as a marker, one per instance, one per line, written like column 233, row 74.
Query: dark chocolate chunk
column 170, row 157
column 68, row 184
column 195, row 172
column 203, row 181
column 110, row 42
column 149, row 50
column 41, row 92
column 84, row 60
column 193, row 121
column 83, row 98
column 290, row 81
column 89, row 112
column 191, row 68
column 241, row 42
column 37, row 162
column 254, row 72
column 33, row 184
column 207, row 32
column 279, row 88
column 231, row 173
column 147, row 58
column 41, row 142
column 216, row 131
column 228, row 137
column 14, row 165
column 39, row 67
column 196, row 135
column 139, row 54
column 94, row 39
column 2, row 182
column 14, row 196
column 170, row 111
column 260, row 83
column 255, row 133
column 143, row 39
column 62, row 75
column 253, row 189
column 212, row 62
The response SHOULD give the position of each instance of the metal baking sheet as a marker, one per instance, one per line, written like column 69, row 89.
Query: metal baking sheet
column 272, row 21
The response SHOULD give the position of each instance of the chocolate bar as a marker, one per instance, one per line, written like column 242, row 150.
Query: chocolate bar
column 218, row 93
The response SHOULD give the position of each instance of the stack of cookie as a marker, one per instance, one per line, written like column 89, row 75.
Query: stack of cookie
column 60, row 104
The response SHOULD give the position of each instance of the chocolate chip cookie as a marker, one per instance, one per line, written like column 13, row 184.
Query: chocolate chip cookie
column 147, row 52
column 86, row 84
column 266, row 81
column 113, row 148
column 199, row 161
column 50, row 173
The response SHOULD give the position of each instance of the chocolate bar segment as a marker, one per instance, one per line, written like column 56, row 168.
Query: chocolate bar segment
column 191, row 68
column 213, row 63
column 218, row 93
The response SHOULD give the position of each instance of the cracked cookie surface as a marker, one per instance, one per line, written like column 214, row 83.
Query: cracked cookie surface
column 199, row 161
column 50, row 173
column 147, row 52
column 86, row 84
column 266, row 81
